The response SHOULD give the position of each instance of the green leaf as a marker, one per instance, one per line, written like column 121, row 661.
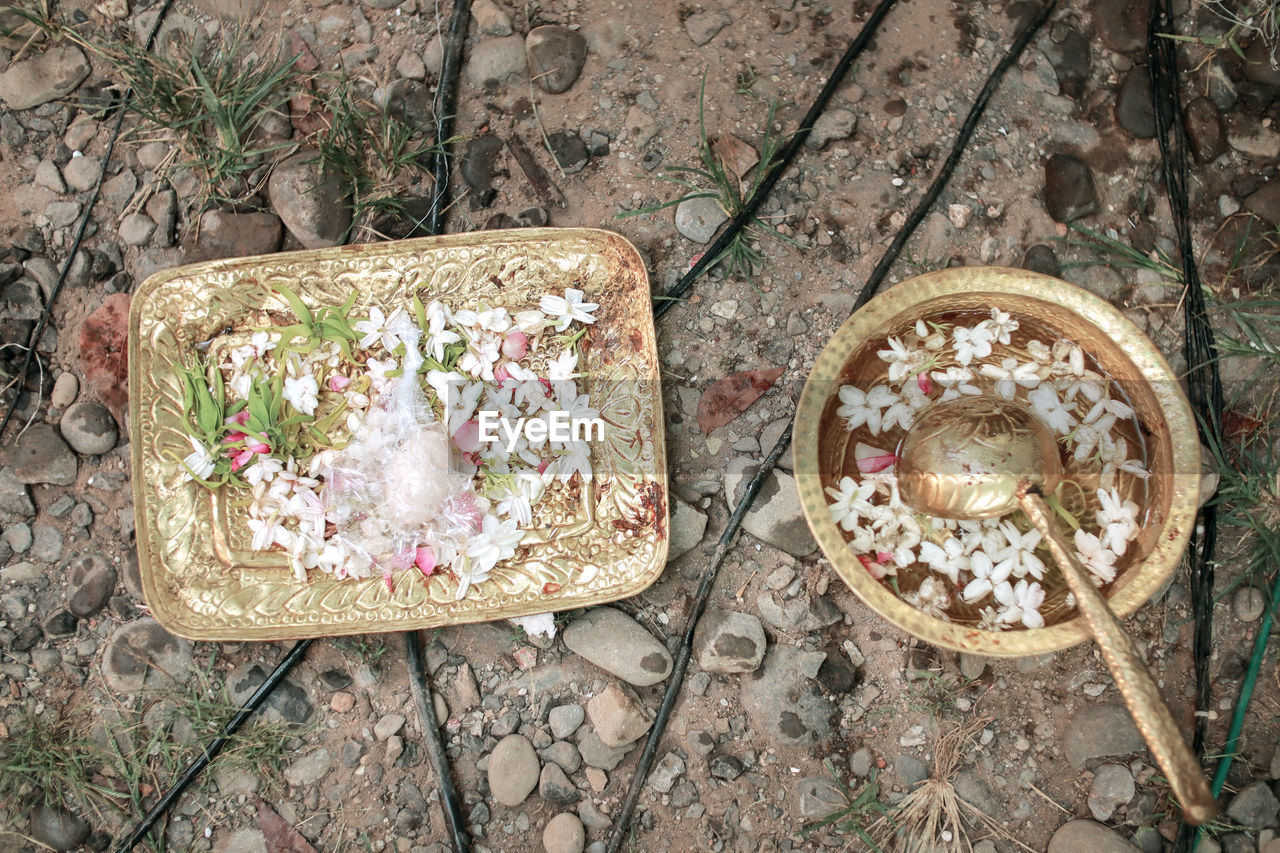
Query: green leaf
column 299, row 307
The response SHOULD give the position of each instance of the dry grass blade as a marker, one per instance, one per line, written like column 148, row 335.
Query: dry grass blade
column 930, row 818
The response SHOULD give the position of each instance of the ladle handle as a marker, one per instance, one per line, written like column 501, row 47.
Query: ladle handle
column 1141, row 695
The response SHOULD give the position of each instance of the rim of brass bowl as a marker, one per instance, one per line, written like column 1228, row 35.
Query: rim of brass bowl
column 1118, row 346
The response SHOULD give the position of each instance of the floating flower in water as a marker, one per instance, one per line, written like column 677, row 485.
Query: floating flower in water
column 1096, row 557
column 972, row 343
column 1020, row 603
column 871, row 460
column 865, row 407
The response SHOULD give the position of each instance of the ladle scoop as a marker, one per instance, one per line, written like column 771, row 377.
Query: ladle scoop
column 983, row 457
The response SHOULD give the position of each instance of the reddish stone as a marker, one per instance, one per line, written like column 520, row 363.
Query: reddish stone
column 104, row 349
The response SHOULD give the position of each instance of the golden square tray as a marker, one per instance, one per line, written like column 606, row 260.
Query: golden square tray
column 590, row 544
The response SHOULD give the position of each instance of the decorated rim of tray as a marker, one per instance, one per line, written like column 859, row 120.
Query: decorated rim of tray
column 591, row 543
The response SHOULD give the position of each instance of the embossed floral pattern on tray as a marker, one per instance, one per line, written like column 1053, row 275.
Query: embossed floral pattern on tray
column 593, row 542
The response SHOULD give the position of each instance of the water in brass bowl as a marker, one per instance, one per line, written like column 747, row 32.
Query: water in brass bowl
column 1161, row 431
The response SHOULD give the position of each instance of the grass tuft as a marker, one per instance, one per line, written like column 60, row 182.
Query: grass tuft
column 731, row 191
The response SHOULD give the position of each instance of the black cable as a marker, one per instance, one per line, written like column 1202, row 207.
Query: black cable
column 215, row 746
column 1204, row 382
column 439, row 760
column 623, row 820
column 75, row 243
column 775, row 168
column 446, row 106
column 957, row 150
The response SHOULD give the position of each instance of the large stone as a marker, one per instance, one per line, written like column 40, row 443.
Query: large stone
column 89, row 428
column 15, row 497
column 92, row 580
column 1112, row 787
column 315, row 207
column 1101, row 731
column 1122, row 24
column 493, row 61
column 1068, row 188
column 616, row 643
column 703, row 26
column 513, row 770
column 619, row 718
column 1205, row 133
column 227, row 234
column 785, row 707
column 288, row 701
column 104, row 348
column 58, row 828
column 479, row 161
column 1076, row 836
column 595, row 753
column 729, row 641
column 556, row 56
column 832, row 125
column 41, row 456
column 144, row 653
column 699, row 217
column 309, row 768
column 776, row 517
column 564, row 834
column 55, row 73
column 1265, row 202
column 565, row 719
column 554, row 786
column 1135, row 110
column 1254, row 806
column 1071, row 60
column 490, row 18
column 687, row 528
column 818, row 797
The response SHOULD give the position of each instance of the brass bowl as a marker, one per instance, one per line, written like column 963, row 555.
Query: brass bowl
column 821, row 442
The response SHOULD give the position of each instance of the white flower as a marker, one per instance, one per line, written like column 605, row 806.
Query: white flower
column 524, row 491
column 851, row 502
column 904, row 363
column 262, row 342
column 864, row 407
column 1097, row 558
column 302, row 393
column 1039, row 352
column 956, row 381
column 1021, row 603
column 931, row 597
column 378, row 328
column 1021, row 551
column 494, row 320
column 563, row 366
column 496, row 541
column 565, row 309
column 575, row 460
column 438, row 336
column 1118, row 518
column 531, row 322
column 377, row 371
column 1009, row 375
column 264, row 469
column 1107, row 406
column 482, row 354
column 988, row 576
column 1046, row 405
column 1003, row 325
column 972, row 343
column 198, row 463
column 947, row 559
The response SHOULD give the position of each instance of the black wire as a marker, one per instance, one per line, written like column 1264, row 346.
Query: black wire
column 439, row 759
column 623, row 820
column 1204, row 382
column 75, row 243
column 676, row 679
column 957, row 151
column 215, row 746
column 779, row 164
column 446, row 106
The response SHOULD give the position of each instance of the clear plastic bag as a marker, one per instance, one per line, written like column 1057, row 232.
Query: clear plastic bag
column 393, row 490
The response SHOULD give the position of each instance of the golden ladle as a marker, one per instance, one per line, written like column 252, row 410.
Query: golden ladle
column 982, row 457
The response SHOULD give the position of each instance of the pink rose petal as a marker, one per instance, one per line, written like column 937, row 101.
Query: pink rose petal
column 876, row 570
column 925, row 383
column 872, row 464
column 338, row 382
column 467, row 438
column 425, row 560
column 501, row 374
column 515, row 345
